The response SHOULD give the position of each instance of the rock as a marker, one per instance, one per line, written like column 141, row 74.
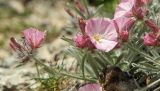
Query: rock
column 44, row 51
column 3, row 54
column 16, row 77
column 18, row 6
column 58, row 44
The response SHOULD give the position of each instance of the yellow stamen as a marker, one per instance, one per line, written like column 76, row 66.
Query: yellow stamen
column 97, row 37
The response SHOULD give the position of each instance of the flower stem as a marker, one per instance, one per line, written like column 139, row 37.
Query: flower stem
column 37, row 69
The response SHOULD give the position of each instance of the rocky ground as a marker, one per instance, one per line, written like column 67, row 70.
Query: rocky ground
column 48, row 14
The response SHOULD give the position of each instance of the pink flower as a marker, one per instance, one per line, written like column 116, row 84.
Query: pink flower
column 123, row 25
column 131, row 8
column 150, row 39
column 124, row 8
column 102, row 33
column 91, row 87
column 152, row 25
column 83, row 41
column 33, row 37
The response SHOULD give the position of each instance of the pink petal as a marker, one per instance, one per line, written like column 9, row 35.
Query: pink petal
column 90, row 87
column 122, row 1
column 33, row 37
column 110, row 33
column 105, row 45
column 124, row 8
column 123, row 23
column 97, row 25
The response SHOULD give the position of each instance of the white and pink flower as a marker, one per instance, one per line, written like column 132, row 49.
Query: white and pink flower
column 124, row 8
column 102, row 33
column 131, row 8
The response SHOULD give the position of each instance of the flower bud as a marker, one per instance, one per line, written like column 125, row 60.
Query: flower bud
column 152, row 25
column 14, row 45
column 139, row 12
column 20, row 50
column 150, row 39
column 82, row 25
column 124, row 36
column 130, row 23
column 82, row 41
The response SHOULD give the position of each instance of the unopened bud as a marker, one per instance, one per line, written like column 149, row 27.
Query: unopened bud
column 82, row 25
column 124, row 36
column 152, row 25
column 150, row 39
column 14, row 45
column 82, row 41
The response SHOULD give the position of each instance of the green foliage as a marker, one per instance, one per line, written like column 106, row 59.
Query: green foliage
column 133, row 57
column 108, row 6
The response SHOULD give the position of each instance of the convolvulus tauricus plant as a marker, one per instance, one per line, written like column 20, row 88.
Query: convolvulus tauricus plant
column 119, row 54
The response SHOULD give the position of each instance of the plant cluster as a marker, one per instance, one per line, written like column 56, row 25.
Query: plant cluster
column 118, row 54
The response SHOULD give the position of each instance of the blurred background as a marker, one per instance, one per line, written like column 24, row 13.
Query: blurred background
column 49, row 15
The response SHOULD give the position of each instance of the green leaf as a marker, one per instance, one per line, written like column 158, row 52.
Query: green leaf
column 105, row 58
column 67, row 40
column 83, row 64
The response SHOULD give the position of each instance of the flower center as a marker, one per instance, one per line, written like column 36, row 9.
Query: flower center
column 97, row 37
